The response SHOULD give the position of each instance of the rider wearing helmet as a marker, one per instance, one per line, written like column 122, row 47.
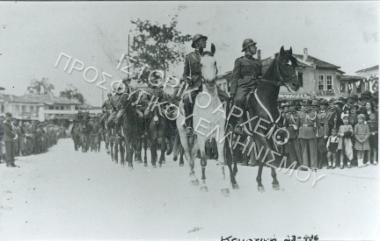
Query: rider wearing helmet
column 192, row 74
column 247, row 70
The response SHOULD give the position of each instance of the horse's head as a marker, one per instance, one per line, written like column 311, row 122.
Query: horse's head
column 209, row 67
column 286, row 65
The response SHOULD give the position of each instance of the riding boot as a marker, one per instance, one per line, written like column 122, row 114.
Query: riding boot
column 189, row 119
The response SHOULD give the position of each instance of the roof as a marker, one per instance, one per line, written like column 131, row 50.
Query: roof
column 318, row 62
column 376, row 67
column 39, row 99
column 88, row 107
column 350, row 78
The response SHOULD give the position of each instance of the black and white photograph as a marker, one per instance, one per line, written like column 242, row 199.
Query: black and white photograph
column 194, row 120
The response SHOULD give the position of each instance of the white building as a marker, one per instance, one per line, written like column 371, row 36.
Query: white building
column 38, row 107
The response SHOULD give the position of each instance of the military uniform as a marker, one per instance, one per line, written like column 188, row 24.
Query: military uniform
column 293, row 146
column 245, row 73
column 192, row 73
column 9, row 136
column 322, row 134
column 307, row 123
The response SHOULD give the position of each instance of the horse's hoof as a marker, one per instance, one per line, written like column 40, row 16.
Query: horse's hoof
column 154, row 165
column 225, row 192
column 175, row 159
column 181, row 164
column 276, row 186
column 194, row 182
column 260, row 188
column 235, row 186
column 145, row 164
column 204, row 188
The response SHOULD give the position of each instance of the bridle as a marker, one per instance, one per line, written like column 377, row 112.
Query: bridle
column 281, row 81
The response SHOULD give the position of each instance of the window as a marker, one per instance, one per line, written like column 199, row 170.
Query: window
column 31, row 108
column 321, row 83
column 300, row 78
column 329, row 84
column 23, row 108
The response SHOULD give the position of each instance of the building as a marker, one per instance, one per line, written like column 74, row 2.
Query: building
column 370, row 80
column 38, row 107
column 318, row 78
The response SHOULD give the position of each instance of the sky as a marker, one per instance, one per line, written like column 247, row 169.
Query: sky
column 33, row 34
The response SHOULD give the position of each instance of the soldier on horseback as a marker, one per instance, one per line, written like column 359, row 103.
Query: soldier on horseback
column 247, row 70
column 193, row 76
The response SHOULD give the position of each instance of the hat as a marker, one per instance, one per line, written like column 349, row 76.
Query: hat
column 196, row 38
column 246, row 43
column 361, row 116
column 324, row 102
column 8, row 114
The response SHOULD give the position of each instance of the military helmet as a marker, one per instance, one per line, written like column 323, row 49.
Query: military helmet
column 196, row 38
column 246, row 43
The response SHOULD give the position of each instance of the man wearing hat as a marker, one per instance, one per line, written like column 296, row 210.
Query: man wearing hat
column 293, row 147
column 9, row 136
column 192, row 74
column 322, row 132
column 247, row 70
column 307, row 123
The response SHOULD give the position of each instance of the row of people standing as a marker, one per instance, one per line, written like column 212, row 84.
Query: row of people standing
column 25, row 138
column 328, row 133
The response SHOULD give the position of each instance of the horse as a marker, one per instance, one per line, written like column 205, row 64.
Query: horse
column 129, row 126
column 262, row 107
column 209, row 114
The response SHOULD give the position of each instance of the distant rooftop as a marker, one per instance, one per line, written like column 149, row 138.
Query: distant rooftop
column 376, row 67
column 42, row 99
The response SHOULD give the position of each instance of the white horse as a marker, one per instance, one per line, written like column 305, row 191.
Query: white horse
column 209, row 118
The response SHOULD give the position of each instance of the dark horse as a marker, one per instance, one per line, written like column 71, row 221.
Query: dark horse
column 262, row 103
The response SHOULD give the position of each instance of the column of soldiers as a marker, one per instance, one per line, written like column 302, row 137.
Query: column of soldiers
column 331, row 133
column 19, row 138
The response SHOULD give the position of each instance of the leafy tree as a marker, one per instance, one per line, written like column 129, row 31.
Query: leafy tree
column 40, row 87
column 157, row 45
column 72, row 93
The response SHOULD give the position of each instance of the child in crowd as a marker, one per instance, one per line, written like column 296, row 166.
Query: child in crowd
column 345, row 142
column 332, row 146
column 362, row 134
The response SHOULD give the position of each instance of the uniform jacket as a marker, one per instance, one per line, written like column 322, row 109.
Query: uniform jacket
column 322, row 124
column 292, row 122
column 246, row 70
column 307, row 123
column 9, row 133
column 192, row 69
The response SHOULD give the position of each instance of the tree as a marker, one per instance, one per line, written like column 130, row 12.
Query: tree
column 157, row 45
column 72, row 93
column 40, row 87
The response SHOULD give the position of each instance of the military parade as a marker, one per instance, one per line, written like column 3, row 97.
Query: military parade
column 174, row 121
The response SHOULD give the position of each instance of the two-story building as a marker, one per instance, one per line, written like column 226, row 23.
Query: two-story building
column 38, row 107
column 318, row 78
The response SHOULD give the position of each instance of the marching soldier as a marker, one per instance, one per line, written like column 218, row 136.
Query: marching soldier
column 247, row 70
column 192, row 74
column 9, row 136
